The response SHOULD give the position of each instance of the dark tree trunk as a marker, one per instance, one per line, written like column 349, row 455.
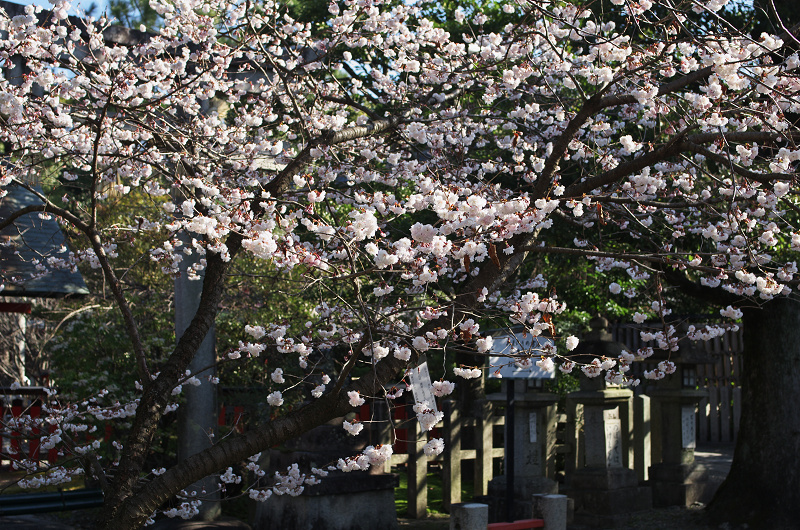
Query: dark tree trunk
column 763, row 487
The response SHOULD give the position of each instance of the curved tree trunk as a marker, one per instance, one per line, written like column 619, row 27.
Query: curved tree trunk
column 763, row 487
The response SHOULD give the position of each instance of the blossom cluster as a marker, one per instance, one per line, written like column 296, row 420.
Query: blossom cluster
column 394, row 175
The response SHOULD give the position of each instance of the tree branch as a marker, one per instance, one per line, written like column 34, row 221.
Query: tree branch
column 674, row 147
column 156, row 395
column 97, row 246
column 763, row 178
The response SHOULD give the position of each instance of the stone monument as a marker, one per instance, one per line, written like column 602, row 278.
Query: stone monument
column 530, row 434
column 675, row 477
column 329, row 504
column 599, row 475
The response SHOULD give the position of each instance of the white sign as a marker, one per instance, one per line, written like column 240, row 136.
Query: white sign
column 502, row 364
column 421, row 386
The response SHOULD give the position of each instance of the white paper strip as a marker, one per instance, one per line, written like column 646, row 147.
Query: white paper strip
column 421, row 386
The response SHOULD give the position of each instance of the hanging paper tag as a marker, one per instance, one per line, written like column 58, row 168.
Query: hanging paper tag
column 421, row 387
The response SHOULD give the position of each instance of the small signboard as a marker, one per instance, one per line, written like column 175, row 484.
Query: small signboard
column 421, row 386
column 505, row 346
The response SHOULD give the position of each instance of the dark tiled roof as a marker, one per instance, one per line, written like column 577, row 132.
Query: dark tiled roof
column 29, row 240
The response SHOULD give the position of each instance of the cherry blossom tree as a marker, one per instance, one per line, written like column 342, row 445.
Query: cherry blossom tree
column 400, row 175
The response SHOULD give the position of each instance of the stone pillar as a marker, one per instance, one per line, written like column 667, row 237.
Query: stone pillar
column 534, row 447
column 451, row 472
column 197, row 417
column 676, row 479
column 605, row 489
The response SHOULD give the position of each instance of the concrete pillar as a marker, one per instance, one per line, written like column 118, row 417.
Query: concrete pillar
column 552, row 509
column 197, row 418
column 469, row 516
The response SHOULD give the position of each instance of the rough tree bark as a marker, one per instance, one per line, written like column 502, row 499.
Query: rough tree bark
column 763, row 487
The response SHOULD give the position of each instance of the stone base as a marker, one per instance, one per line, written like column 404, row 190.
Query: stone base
column 678, row 484
column 610, row 478
column 605, row 498
column 333, row 504
column 524, row 489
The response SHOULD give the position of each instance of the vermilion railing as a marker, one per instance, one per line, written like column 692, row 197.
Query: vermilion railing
column 521, row 524
column 21, row 406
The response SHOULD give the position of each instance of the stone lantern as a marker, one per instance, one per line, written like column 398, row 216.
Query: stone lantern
column 530, row 436
column 675, row 478
column 599, row 474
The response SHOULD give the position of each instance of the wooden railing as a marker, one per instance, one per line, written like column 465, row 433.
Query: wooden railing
column 408, row 450
column 20, row 438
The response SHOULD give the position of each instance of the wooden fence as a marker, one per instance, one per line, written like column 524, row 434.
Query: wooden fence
column 719, row 414
column 466, row 439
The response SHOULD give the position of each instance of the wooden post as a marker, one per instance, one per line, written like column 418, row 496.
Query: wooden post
column 417, row 473
column 451, row 489
column 484, row 463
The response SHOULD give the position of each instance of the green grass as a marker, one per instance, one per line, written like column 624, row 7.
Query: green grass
column 8, row 484
column 435, row 502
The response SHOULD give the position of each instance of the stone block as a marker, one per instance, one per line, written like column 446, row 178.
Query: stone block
column 469, row 516
column 333, row 505
column 679, row 484
column 223, row 523
column 552, row 509
column 604, row 479
column 604, row 509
